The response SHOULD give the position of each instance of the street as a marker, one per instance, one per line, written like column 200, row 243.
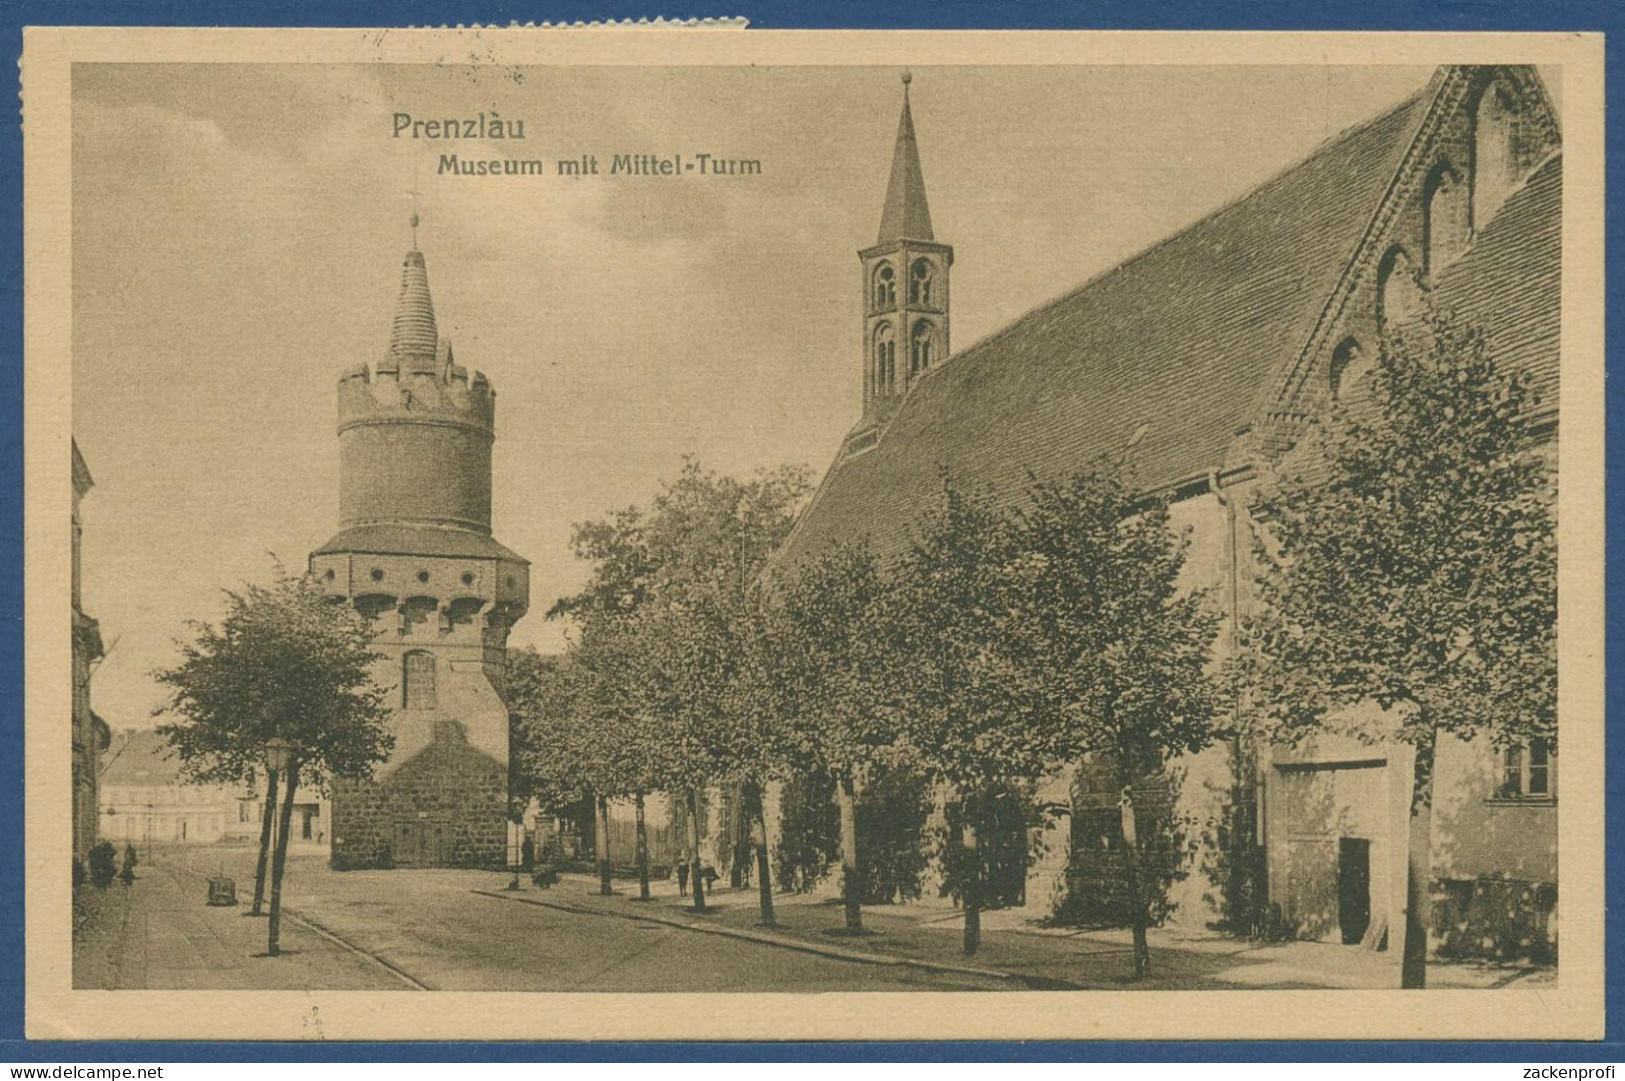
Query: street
column 400, row 930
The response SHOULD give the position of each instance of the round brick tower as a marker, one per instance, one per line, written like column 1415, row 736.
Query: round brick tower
column 414, row 552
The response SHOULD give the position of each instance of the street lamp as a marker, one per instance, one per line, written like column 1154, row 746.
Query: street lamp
column 278, row 756
column 277, row 751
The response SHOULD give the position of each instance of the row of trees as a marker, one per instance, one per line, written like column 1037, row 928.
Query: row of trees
column 1406, row 558
column 1004, row 644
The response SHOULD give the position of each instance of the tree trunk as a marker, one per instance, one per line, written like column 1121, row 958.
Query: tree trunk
column 846, row 794
column 1136, row 890
column 280, row 860
column 756, row 816
column 694, row 850
column 643, row 850
column 1419, row 867
column 738, row 841
column 604, row 885
column 266, row 821
column 971, row 889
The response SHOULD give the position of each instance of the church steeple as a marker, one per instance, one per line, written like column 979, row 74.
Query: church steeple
column 905, row 284
column 907, row 215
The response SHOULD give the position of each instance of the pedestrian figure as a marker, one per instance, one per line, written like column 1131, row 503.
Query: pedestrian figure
column 711, row 877
column 682, row 879
column 527, row 854
column 128, row 873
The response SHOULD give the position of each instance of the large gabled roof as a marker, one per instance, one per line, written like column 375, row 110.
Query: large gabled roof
column 1170, row 350
column 141, row 757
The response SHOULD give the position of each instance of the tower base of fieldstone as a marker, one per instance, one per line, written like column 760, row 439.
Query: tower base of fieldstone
column 445, row 807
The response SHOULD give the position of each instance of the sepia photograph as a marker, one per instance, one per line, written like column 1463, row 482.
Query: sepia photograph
column 718, row 534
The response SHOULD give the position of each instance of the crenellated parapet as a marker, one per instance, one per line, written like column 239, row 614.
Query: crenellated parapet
column 447, row 394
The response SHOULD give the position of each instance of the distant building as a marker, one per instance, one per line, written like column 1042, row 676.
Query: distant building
column 1202, row 360
column 146, row 800
column 414, row 552
column 90, row 734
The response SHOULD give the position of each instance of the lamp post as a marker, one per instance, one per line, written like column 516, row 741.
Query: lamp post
column 278, row 758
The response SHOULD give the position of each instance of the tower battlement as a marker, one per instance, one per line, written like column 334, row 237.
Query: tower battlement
column 445, row 394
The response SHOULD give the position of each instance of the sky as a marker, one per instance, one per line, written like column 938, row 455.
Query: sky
column 238, row 232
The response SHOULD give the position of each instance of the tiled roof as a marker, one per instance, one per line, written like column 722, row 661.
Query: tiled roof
column 417, row 540
column 140, row 758
column 1510, row 281
column 1178, row 340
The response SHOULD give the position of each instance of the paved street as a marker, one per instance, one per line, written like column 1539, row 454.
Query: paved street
column 431, row 930
column 463, row 930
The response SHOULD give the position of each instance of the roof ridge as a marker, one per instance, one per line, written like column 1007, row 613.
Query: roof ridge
column 1283, row 173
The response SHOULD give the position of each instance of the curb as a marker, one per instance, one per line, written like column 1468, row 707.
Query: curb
column 761, row 938
column 333, row 936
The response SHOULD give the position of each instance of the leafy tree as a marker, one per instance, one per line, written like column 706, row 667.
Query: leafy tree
column 961, row 715
column 1113, row 658
column 828, row 678
column 575, row 735
column 673, row 585
column 284, row 662
column 1412, row 563
column 543, row 694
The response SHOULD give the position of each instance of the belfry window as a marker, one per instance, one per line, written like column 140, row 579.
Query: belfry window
column 885, row 287
column 920, row 282
column 417, row 684
column 920, row 348
column 885, row 360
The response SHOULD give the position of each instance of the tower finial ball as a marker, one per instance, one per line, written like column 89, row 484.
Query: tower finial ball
column 908, row 77
column 414, row 219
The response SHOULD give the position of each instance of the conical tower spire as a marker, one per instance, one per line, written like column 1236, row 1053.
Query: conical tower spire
column 907, row 216
column 413, row 338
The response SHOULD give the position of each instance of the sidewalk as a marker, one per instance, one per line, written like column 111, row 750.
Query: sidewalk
column 929, row 935
column 160, row 933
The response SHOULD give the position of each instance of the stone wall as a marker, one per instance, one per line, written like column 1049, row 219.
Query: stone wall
column 445, row 807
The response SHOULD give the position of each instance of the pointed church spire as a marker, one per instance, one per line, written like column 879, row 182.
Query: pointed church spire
column 413, row 338
column 906, row 217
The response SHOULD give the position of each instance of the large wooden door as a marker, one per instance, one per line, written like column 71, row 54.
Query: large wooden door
column 422, row 842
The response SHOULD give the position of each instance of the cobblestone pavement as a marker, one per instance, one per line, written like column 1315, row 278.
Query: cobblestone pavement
column 396, row 929
column 464, row 930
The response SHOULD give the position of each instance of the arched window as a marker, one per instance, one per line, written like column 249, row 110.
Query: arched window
column 885, row 359
column 1495, row 152
column 1446, row 218
column 1350, row 366
column 417, row 683
column 1399, row 295
column 885, row 286
column 920, row 348
column 920, row 282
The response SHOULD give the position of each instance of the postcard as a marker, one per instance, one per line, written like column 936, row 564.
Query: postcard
column 704, row 533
